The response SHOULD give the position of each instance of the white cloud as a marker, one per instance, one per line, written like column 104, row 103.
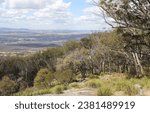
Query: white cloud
column 48, row 14
column 36, row 8
column 94, row 16
column 92, row 10
column 32, row 4
column 53, row 10
column 89, row 1
column 92, row 1
column 2, row 1
column 24, row 4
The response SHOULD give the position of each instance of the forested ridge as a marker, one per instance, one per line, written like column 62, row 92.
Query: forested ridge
column 125, row 49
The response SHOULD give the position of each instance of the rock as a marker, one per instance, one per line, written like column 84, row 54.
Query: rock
column 137, row 86
column 146, row 92
column 119, row 93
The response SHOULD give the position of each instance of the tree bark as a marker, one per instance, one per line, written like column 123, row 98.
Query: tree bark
column 138, row 66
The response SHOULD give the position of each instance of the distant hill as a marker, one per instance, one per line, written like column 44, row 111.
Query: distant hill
column 13, row 29
column 18, row 30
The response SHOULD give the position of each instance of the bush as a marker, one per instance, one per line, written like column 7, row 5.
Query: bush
column 93, row 83
column 71, row 45
column 33, row 92
column 127, row 86
column 131, row 90
column 144, row 82
column 74, row 85
column 121, row 85
column 93, row 76
column 104, row 91
column 43, row 79
column 7, row 86
column 64, row 76
column 58, row 89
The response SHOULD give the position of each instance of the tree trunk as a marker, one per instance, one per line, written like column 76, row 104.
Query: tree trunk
column 138, row 66
column 103, row 66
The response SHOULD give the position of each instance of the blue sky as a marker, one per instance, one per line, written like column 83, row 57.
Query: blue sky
column 77, row 6
column 50, row 14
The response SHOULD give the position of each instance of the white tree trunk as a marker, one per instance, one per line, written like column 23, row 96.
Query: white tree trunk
column 138, row 66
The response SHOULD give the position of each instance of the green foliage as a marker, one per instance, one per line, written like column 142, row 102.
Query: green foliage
column 43, row 79
column 111, row 40
column 7, row 86
column 33, row 92
column 93, row 76
column 74, row 85
column 134, row 29
column 104, row 91
column 71, row 45
column 64, row 76
column 131, row 90
column 53, row 52
column 58, row 89
column 127, row 87
column 93, row 83
column 86, row 42
column 143, row 82
column 49, row 57
column 122, row 85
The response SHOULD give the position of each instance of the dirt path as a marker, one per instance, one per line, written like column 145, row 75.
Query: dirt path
column 76, row 92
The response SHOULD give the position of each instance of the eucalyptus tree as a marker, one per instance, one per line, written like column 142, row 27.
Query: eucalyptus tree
column 132, row 20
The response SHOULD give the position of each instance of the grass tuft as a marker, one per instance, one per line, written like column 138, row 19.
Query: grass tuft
column 93, row 83
column 58, row 89
column 104, row 91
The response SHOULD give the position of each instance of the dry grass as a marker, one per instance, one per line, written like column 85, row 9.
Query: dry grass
column 93, row 83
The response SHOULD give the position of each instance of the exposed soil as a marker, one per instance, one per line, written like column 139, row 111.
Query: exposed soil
column 76, row 92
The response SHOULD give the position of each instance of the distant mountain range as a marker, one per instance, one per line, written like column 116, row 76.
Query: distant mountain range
column 13, row 29
column 3, row 29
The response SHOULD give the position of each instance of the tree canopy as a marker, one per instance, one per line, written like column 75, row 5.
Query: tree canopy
column 132, row 20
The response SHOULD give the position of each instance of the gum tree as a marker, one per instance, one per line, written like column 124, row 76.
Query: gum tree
column 132, row 20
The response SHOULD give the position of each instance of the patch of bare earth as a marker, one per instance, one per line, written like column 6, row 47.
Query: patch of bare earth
column 76, row 92
column 119, row 93
column 146, row 92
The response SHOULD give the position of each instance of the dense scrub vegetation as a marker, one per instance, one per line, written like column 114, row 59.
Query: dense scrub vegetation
column 125, row 49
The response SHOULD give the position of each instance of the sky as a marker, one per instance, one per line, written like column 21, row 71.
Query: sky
column 51, row 15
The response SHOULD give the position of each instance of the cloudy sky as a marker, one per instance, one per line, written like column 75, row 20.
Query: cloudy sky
column 50, row 14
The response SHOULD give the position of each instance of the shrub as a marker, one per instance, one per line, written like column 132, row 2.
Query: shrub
column 43, row 79
column 144, row 82
column 93, row 83
column 104, row 91
column 93, row 76
column 121, row 85
column 41, row 92
column 33, row 92
column 64, row 76
column 58, row 89
column 74, row 85
column 127, row 86
column 71, row 45
column 131, row 90
column 7, row 86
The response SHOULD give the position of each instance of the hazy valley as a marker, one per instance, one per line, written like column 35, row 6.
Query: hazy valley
column 25, row 40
